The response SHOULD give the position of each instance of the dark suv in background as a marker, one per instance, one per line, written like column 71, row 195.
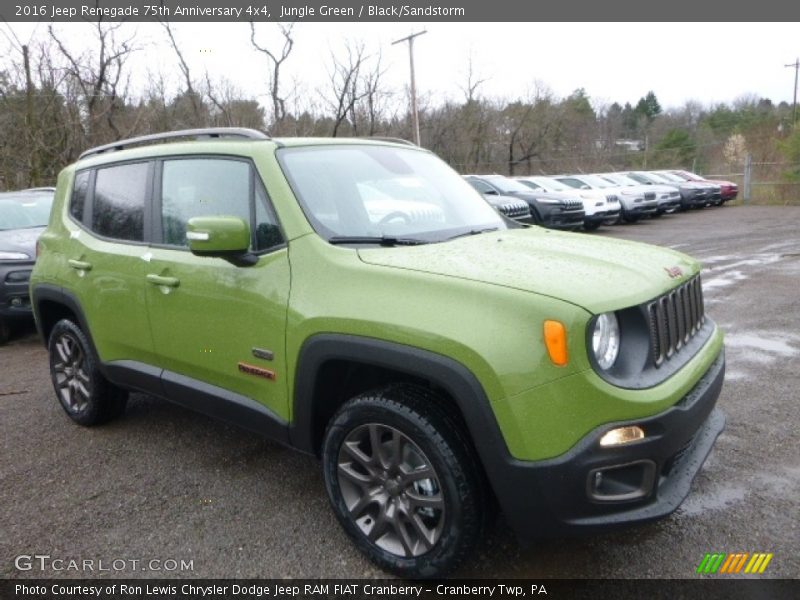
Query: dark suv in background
column 23, row 217
column 550, row 210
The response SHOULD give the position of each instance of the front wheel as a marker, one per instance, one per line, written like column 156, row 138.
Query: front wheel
column 591, row 225
column 404, row 481
column 85, row 395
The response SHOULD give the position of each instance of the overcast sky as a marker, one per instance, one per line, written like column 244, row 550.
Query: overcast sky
column 709, row 62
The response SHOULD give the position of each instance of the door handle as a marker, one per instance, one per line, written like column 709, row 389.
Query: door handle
column 159, row 280
column 79, row 265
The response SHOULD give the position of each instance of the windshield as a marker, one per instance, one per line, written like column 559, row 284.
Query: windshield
column 23, row 211
column 675, row 176
column 366, row 191
column 619, row 179
column 591, row 180
column 550, row 185
column 642, row 178
column 506, row 185
column 666, row 177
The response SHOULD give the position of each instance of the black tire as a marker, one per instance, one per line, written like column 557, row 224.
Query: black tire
column 5, row 331
column 629, row 218
column 452, row 519
column 591, row 225
column 86, row 396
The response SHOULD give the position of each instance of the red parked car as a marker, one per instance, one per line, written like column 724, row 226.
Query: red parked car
column 728, row 191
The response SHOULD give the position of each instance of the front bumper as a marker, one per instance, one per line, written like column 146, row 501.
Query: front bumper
column 15, row 299
column 603, row 216
column 557, row 217
column 639, row 482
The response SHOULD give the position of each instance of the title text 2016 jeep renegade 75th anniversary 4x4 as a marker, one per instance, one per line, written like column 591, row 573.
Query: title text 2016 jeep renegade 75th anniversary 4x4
column 357, row 300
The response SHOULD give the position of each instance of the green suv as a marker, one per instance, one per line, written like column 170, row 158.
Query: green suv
column 357, row 300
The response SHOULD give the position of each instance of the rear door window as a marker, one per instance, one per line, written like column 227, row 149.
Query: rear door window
column 120, row 195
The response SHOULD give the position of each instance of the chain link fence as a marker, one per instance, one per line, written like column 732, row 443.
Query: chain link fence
column 763, row 182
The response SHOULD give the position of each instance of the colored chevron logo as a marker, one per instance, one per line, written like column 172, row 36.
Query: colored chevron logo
column 738, row 562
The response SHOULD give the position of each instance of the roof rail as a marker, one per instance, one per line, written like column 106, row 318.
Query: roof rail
column 209, row 132
column 396, row 140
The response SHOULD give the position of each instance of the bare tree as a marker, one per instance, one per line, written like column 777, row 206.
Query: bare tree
column 472, row 83
column 276, row 61
column 194, row 98
column 345, row 86
column 374, row 94
column 99, row 76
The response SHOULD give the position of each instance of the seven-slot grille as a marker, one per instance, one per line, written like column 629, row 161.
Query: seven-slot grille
column 612, row 199
column 572, row 204
column 514, row 210
column 675, row 318
column 649, row 195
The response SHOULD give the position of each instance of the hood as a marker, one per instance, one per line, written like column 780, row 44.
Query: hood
column 20, row 240
column 663, row 189
column 598, row 274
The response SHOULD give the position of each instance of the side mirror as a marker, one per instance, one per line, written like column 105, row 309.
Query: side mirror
column 491, row 193
column 223, row 237
column 585, row 187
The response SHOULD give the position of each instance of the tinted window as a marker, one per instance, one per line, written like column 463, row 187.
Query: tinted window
column 268, row 233
column 79, row 192
column 202, row 187
column 119, row 198
column 483, row 188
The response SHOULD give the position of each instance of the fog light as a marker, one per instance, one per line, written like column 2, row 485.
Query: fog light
column 622, row 435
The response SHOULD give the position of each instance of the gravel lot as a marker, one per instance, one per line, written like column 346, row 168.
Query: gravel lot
column 164, row 483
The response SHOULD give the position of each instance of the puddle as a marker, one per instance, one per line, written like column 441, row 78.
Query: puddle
column 697, row 503
column 725, row 270
column 779, row 344
column 711, row 284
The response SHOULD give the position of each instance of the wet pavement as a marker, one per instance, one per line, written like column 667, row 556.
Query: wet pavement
column 166, row 484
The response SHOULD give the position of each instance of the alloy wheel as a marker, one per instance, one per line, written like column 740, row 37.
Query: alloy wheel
column 391, row 490
column 71, row 378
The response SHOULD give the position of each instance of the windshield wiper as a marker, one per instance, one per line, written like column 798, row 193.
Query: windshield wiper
column 380, row 240
column 473, row 232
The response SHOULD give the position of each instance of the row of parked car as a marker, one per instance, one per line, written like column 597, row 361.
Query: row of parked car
column 591, row 200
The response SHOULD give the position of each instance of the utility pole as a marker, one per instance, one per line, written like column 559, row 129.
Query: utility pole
column 414, row 113
column 796, row 65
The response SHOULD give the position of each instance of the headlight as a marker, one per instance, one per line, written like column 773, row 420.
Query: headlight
column 13, row 256
column 548, row 200
column 605, row 340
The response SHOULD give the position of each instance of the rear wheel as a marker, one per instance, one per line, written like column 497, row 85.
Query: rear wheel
column 404, row 481
column 85, row 395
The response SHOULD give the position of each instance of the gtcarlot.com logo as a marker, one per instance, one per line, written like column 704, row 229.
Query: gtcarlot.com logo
column 731, row 564
column 46, row 562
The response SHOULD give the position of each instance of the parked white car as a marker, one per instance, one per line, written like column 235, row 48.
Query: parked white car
column 668, row 196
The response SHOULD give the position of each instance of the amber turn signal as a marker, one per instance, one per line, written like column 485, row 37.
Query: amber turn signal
column 555, row 338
